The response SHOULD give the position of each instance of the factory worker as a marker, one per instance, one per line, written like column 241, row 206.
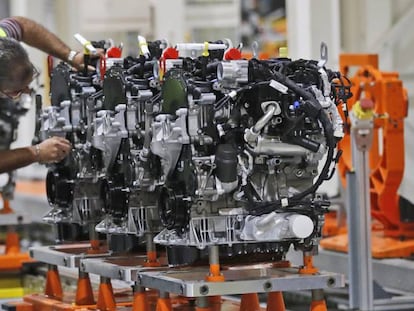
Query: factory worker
column 16, row 74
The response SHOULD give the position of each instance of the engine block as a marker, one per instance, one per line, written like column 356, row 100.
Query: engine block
column 197, row 150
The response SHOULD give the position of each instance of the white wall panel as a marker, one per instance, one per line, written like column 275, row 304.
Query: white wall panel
column 170, row 20
column 187, row 20
column 311, row 22
column 113, row 16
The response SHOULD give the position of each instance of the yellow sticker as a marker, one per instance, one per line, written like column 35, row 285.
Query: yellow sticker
column 2, row 33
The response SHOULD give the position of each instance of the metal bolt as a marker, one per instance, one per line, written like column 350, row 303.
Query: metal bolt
column 204, row 290
column 299, row 173
column 267, row 286
column 330, row 282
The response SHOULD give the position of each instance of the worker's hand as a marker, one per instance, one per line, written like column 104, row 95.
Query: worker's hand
column 78, row 60
column 53, row 149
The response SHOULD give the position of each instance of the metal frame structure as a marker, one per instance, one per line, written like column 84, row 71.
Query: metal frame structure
column 238, row 280
column 179, row 286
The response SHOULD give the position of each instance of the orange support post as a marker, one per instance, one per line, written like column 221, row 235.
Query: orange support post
column 12, row 259
column 319, row 305
column 164, row 302
column 96, row 247
column 275, row 302
column 106, row 299
column 6, row 207
column 308, row 267
column 318, row 301
column 214, row 275
column 84, row 293
column 202, row 304
column 53, row 288
column 152, row 260
column 140, row 301
column 250, row 302
column 12, row 243
column 214, row 303
column 12, row 238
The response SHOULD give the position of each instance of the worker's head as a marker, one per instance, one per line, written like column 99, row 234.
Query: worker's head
column 16, row 70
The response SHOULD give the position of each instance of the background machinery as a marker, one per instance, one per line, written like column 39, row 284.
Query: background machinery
column 393, row 217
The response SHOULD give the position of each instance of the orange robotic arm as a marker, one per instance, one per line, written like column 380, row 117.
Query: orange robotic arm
column 387, row 152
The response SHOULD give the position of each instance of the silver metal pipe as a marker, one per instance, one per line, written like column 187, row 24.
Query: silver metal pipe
column 93, row 235
column 261, row 123
column 271, row 147
column 202, row 302
column 361, row 290
column 214, row 255
column 150, row 242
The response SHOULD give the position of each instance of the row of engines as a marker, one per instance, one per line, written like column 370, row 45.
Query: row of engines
column 196, row 150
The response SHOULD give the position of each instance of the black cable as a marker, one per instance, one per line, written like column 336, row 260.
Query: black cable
column 227, row 99
column 315, row 110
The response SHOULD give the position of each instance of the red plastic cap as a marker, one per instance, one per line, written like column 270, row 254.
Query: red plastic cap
column 233, row 54
column 367, row 104
column 170, row 53
column 114, row 52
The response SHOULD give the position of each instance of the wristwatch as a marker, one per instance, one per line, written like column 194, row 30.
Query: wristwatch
column 71, row 56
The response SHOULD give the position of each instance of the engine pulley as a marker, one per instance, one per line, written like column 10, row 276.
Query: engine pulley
column 173, row 209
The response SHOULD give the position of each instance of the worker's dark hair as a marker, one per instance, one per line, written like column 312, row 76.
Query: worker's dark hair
column 15, row 66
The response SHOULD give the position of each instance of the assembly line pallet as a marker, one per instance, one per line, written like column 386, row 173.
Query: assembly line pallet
column 162, row 288
column 237, row 280
column 175, row 289
column 66, row 255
